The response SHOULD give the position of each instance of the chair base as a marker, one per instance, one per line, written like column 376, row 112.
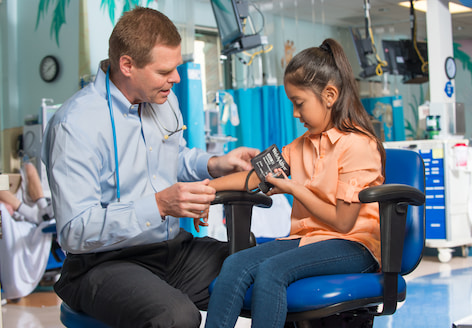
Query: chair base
column 342, row 320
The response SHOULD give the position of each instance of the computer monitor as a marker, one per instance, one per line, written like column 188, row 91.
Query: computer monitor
column 403, row 59
column 394, row 57
column 228, row 15
column 227, row 19
column 364, row 49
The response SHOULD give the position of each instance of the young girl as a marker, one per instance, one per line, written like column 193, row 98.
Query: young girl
column 331, row 231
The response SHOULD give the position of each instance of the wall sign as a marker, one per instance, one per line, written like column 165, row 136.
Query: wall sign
column 449, row 89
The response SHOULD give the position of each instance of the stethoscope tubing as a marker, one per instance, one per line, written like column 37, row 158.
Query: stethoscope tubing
column 112, row 119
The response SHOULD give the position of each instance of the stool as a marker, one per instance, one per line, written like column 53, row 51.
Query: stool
column 73, row 319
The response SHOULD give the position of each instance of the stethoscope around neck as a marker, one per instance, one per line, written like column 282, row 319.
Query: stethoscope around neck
column 112, row 118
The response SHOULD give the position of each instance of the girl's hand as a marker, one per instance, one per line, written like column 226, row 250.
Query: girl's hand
column 197, row 223
column 282, row 184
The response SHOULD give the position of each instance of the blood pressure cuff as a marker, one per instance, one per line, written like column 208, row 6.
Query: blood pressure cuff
column 266, row 162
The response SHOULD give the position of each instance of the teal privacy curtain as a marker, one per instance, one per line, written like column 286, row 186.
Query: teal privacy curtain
column 266, row 118
column 189, row 94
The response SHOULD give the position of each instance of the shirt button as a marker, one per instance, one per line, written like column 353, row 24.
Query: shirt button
column 150, row 148
column 170, row 230
column 154, row 177
column 148, row 224
column 125, row 114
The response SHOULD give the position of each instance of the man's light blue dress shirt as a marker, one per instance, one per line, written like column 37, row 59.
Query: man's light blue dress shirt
column 79, row 155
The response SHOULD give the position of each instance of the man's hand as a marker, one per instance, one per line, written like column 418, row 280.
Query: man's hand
column 186, row 199
column 238, row 159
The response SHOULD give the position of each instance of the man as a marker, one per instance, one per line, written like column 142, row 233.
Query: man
column 129, row 264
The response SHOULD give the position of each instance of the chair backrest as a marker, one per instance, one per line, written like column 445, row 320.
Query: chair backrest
column 406, row 167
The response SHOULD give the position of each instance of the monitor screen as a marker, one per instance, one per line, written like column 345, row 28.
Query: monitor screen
column 394, row 56
column 403, row 59
column 363, row 47
column 227, row 20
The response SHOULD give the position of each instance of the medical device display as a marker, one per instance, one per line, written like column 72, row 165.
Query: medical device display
column 231, row 17
column 267, row 162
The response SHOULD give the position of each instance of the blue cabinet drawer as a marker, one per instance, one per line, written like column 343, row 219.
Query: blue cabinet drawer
column 435, row 222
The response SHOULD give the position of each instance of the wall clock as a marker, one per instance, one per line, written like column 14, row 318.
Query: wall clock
column 49, row 68
column 450, row 66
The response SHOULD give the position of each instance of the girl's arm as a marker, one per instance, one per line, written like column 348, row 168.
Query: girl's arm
column 342, row 216
column 235, row 181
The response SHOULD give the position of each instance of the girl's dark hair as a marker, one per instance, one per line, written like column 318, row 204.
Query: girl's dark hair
column 317, row 67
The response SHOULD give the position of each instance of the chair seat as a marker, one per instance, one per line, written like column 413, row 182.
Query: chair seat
column 73, row 319
column 324, row 291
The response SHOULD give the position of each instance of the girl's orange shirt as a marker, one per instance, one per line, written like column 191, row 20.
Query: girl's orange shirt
column 335, row 165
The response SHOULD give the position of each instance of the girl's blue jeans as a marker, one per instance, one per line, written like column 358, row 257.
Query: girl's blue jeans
column 271, row 267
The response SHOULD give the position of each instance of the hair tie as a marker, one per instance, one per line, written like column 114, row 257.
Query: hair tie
column 326, row 48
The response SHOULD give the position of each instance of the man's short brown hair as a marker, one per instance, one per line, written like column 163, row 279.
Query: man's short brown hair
column 137, row 32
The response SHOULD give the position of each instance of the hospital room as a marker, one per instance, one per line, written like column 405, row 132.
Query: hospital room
column 186, row 146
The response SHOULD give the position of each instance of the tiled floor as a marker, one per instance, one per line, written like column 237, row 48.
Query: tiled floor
column 438, row 295
column 38, row 310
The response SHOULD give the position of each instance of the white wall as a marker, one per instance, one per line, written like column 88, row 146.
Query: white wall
column 100, row 25
column 99, row 30
column 23, row 47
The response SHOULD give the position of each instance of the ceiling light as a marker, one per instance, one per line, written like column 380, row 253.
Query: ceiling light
column 421, row 5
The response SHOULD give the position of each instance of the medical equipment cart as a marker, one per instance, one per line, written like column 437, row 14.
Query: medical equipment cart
column 448, row 184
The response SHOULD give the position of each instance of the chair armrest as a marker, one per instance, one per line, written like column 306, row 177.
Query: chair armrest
column 392, row 192
column 393, row 200
column 242, row 198
column 238, row 209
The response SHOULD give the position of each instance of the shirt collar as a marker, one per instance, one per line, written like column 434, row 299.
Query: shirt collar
column 333, row 135
column 119, row 101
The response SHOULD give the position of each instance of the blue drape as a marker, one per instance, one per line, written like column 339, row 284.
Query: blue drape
column 189, row 94
column 266, row 117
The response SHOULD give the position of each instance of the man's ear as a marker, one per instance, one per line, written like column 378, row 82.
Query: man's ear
column 126, row 64
column 330, row 95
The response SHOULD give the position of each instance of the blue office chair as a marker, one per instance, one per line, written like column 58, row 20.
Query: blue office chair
column 348, row 299
column 355, row 299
